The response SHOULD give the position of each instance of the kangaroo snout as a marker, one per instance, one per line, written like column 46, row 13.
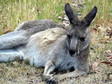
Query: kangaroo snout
column 72, row 52
column 73, row 46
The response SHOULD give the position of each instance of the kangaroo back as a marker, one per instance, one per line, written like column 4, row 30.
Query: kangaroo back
column 35, row 26
column 23, row 32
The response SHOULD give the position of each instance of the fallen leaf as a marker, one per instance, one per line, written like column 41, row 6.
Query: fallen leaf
column 7, row 31
column 109, row 57
column 108, row 51
column 94, row 30
column 111, row 76
column 95, row 66
column 106, row 39
column 107, row 62
column 60, row 18
column 109, row 32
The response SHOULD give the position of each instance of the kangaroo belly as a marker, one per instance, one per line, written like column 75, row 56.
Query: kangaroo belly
column 40, row 46
column 34, row 57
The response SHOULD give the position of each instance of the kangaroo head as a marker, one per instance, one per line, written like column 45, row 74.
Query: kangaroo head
column 79, row 33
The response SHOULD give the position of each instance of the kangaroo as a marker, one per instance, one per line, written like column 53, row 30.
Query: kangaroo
column 43, row 43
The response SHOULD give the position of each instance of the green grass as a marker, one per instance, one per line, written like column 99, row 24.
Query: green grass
column 13, row 12
column 104, row 14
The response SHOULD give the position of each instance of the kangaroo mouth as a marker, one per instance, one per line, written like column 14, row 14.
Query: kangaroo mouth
column 72, row 52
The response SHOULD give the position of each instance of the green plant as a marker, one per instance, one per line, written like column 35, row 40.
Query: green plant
column 13, row 12
column 104, row 14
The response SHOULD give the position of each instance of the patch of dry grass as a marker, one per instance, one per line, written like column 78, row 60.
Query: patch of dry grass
column 13, row 12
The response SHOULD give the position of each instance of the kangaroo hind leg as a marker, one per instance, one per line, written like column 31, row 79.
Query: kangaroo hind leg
column 12, row 39
column 10, row 55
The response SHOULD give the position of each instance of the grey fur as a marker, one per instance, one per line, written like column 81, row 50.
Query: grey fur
column 23, row 32
column 54, row 48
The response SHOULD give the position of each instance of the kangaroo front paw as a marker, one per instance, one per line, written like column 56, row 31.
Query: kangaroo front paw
column 52, row 80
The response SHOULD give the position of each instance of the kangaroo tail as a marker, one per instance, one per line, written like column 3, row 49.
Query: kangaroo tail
column 10, row 55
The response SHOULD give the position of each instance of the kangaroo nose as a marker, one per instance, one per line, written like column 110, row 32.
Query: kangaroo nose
column 72, row 52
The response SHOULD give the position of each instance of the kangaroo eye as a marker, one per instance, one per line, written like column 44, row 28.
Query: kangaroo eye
column 82, row 38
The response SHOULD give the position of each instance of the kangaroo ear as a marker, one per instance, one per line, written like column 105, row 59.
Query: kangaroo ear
column 71, row 15
column 89, row 17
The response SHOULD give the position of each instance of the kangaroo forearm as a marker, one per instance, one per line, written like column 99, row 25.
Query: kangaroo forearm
column 69, row 75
